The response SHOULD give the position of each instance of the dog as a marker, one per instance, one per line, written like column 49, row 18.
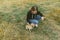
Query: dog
column 30, row 26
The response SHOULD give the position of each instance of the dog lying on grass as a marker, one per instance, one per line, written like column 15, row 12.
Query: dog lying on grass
column 30, row 26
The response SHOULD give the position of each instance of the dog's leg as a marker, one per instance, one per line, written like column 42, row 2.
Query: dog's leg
column 29, row 30
column 26, row 27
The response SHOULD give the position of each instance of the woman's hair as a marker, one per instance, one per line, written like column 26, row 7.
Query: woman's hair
column 34, row 8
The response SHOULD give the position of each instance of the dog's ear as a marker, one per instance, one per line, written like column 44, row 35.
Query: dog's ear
column 32, row 24
column 27, row 23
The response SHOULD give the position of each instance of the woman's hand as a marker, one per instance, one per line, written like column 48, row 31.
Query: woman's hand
column 42, row 18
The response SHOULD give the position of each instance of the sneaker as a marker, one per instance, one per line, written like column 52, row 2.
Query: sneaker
column 36, row 25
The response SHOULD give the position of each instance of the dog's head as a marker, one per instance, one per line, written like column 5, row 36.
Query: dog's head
column 32, row 24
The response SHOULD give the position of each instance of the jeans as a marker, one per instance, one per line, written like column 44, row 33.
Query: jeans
column 35, row 20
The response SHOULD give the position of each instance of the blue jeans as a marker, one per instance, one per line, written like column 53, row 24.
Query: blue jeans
column 35, row 20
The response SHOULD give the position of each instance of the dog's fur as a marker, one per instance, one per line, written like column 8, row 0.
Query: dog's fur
column 30, row 27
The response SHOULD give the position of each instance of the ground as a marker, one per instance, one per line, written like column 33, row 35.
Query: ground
column 13, row 20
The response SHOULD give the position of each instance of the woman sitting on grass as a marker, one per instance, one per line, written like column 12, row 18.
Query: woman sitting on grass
column 33, row 16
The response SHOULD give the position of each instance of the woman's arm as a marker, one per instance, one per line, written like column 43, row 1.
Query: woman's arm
column 42, row 16
column 39, row 13
column 28, row 16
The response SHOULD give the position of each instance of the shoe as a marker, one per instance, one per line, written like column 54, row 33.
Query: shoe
column 36, row 25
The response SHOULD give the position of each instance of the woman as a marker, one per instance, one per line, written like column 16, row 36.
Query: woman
column 33, row 16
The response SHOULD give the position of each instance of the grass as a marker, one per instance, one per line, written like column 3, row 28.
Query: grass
column 13, row 20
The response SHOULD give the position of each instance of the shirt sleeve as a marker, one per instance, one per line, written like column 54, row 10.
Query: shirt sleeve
column 28, row 16
column 39, row 13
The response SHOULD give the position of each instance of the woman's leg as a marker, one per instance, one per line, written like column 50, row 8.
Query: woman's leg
column 33, row 21
column 38, row 17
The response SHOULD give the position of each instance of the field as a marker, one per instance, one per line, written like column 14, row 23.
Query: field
column 13, row 20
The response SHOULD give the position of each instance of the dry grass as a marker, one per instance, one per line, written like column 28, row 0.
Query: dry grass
column 12, row 20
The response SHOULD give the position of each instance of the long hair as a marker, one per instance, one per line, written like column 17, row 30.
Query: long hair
column 34, row 8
